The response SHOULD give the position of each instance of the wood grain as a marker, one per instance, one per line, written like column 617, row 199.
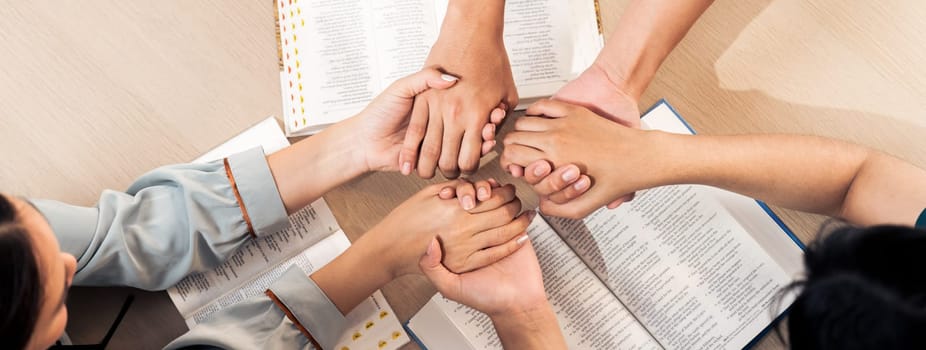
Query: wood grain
column 94, row 93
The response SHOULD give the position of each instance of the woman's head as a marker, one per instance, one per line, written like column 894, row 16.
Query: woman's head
column 865, row 288
column 35, row 276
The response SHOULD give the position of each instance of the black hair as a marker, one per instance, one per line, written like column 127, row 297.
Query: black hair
column 865, row 288
column 21, row 291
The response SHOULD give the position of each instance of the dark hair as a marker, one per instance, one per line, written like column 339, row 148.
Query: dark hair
column 865, row 288
column 21, row 291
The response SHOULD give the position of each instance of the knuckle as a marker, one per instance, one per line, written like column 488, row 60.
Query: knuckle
column 430, row 151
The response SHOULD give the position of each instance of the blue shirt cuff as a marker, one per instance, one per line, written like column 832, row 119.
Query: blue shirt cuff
column 258, row 191
column 309, row 304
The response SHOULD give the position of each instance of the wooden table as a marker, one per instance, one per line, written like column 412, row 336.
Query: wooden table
column 95, row 93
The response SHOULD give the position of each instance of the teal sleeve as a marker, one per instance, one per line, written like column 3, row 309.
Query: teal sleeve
column 921, row 221
column 171, row 222
column 261, row 323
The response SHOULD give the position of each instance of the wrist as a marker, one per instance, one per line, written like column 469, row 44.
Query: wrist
column 389, row 253
column 475, row 15
column 534, row 328
column 355, row 154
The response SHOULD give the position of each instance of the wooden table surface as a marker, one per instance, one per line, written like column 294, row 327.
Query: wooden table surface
column 94, row 93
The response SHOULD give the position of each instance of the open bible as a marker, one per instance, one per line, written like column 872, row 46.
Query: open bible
column 679, row 267
column 337, row 55
column 312, row 240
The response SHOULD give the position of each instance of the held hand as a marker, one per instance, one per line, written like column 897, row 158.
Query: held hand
column 381, row 126
column 595, row 90
column 511, row 285
column 598, row 92
column 613, row 157
column 450, row 127
column 473, row 239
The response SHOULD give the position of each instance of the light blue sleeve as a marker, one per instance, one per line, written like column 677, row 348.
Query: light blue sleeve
column 261, row 323
column 171, row 222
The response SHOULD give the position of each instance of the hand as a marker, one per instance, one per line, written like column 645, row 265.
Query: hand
column 382, row 124
column 511, row 285
column 596, row 90
column 613, row 156
column 489, row 231
column 450, row 126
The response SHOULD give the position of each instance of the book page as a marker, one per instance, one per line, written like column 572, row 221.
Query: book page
column 588, row 314
column 684, row 267
column 338, row 55
column 307, row 227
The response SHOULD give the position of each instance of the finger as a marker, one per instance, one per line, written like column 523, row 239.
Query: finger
column 506, row 232
column 559, row 179
column 493, row 183
column 538, row 140
column 446, row 282
column 417, row 126
column 536, row 124
column 488, row 132
column 447, row 193
column 515, row 170
column 466, row 192
column 498, row 216
column 450, row 149
column 499, row 197
column 570, row 192
column 487, row 147
column 470, row 150
column 492, row 255
column 431, row 147
column 483, row 190
column 537, row 171
column 617, row 202
column 497, row 116
column 550, row 108
column 576, row 209
column 414, row 84
column 521, row 156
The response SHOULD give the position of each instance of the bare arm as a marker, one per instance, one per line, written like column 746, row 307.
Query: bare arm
column 806, row 173
column 813, row 174
column 645, row 35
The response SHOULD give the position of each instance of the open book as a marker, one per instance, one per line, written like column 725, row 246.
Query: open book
column 337, row 55
column 679, row 267
column 313, row 239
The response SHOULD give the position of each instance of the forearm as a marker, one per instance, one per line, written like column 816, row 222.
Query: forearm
column 806, row 173
column 647, row 32
column 534, row 329
column 308, row 169
column 468, row 24
column 356, row 274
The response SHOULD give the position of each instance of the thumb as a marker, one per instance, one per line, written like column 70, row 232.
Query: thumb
column 428, row 78
column 442, row 279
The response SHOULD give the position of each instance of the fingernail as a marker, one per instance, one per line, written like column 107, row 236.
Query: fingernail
column 491, row 143
column 530, row 215
column 522, row 239
column 492, row 127
column 483, row 193
column 445, row 192
column 581, row 184
column 468, row 202
column 448, row 77
column 570, row 175
column 539, row 171
column 430, row 248
column 406, row 168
